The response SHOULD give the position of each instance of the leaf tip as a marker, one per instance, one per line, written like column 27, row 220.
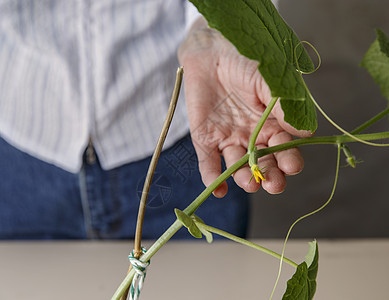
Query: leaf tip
column 312, row 252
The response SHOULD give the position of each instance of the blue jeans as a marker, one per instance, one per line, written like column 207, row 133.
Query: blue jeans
column 41, row 201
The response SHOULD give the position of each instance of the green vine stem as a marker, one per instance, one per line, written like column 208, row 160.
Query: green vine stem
column 261, row 122
column 245, row 242
column 346, row 150
column 339, row 139
column 370, row 122
column 336, row 139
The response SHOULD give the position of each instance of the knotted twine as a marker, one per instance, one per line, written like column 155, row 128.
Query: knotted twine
column 140, row 274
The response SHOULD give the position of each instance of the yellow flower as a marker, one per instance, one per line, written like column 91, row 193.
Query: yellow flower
column 258, row 175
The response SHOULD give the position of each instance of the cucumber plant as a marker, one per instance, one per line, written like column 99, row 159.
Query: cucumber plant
column 258, row 32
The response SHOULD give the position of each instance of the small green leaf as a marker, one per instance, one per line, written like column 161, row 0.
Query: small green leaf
column 188, row 222
column 208, row 235
column 302, row 285
column 258, row 32
column 376, row 62
column 197, row 219
column 183, row 218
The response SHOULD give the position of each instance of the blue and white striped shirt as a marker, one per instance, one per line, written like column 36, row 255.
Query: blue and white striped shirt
column 78, row 69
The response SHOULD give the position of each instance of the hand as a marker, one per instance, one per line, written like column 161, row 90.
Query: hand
column 225, row 96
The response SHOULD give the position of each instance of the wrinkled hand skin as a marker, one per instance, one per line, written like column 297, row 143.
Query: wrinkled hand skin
column 225, row 96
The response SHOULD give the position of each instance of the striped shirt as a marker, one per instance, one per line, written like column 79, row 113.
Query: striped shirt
column 79, row 69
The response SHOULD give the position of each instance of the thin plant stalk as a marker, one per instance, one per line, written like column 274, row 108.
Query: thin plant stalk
column 245, row 242
column 153, row 163
column 150, row 173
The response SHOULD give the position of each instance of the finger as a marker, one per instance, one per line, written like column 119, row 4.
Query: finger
column 275, row 182
column 242, row 177
column 289, row 161
column 210, row 168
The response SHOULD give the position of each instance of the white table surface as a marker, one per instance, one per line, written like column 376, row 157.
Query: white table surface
column 350, row 269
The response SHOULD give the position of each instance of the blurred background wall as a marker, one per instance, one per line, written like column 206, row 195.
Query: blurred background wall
column 341, row 31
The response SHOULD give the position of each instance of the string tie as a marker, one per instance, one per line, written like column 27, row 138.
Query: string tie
column 140, row 274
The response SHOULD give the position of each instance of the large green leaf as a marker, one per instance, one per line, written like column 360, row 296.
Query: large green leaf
column 376, row 62
column 302, row 285
column 259, row 33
